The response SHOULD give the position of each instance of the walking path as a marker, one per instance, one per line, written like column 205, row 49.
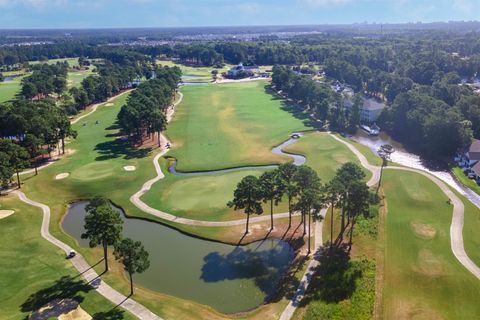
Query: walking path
column 456, row 227
column 86, row 270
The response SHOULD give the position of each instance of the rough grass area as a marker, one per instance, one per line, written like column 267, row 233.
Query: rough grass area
column 228, row 125
column 34, row 272
column 423, row 279
column 8, row 89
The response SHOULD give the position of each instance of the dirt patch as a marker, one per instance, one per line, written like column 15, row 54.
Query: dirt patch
column 54, row 309
column 423, row 230
column 429, row 264
column 406, row 310
column 77, row 314
column 130, row 168
column 61, row 176
column 108, row 104
column 6, row 213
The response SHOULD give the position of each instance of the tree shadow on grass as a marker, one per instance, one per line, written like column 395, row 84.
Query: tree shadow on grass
column 334, row 279
column 64, row 288
column 294, row 109
column 119, row 148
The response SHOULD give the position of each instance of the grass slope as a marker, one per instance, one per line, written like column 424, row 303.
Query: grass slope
column 222, row 126
column 30, row 266
column 422, row 277
column 324, row 154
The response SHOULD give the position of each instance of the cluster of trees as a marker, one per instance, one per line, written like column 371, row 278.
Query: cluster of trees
column 316, row 99
column 112, row 77
column 435, row 120
column 302, row 189
column 45, row 80
column 145, row 110
column 103, row 227
column 29, row 130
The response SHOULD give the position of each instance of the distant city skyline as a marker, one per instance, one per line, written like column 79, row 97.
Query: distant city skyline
column 191, row 13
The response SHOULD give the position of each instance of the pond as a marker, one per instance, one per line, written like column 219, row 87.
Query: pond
column 228, row 278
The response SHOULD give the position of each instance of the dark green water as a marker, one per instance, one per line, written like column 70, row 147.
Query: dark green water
column 227, row 278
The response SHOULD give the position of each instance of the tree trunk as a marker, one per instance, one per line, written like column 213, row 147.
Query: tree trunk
column 105, row 255
column 159, row 144
column 271, row 214
column 343, row 222
column 289, row 212
column 331, row 226
column 309, row 234
column 304, row 216
column 36, row 166
column 351, row 235
column 18, row 179
column 63, row 145
column 248, row 220
column 131, row 284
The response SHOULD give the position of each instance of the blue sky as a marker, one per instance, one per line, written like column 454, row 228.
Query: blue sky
column 175, row 13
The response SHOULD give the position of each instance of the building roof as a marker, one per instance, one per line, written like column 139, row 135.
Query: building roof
column 476, row 168
column 474, row 151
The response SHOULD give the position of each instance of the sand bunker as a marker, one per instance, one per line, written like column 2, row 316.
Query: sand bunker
column 129, row 168
column 62, row 176
column 424, row 230
column 109, row 104
column 77, row 314
column 6, row 213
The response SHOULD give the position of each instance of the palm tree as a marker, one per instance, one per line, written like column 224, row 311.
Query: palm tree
column 270, row 190
column 103, row 226
column 248, row 196
column 385, row 151
column 288, row 185
column 133, row 256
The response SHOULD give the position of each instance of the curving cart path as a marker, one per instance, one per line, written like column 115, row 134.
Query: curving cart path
column 137, row 201
column 456, row 237
column 87, row 272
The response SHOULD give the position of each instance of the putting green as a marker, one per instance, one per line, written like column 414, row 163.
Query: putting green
column 229, row 125
column 422, row 276
column 94, row 171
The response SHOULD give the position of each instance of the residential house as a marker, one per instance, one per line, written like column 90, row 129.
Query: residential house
column 469, row 160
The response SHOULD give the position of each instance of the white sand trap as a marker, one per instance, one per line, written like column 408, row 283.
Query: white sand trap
column 109, row 104
column 62, row 176
column 130, row 168
column 77, row 314
column 6, row 213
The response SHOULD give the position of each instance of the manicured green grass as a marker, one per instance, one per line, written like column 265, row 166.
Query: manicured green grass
column 372, row 158
column 201, row 74
column 75, row 77
column 228, row 125
column 471, row 225
column 324, row 154
column 72, row 62
column 30, row 266
column 422, row 277
column 8, row 89
column 469, row 183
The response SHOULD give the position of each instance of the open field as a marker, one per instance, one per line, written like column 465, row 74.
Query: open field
column 195, row 74
column 34, row 272
column 8, row 89
column 229, row 125
column 72, row 62
column 422, row 277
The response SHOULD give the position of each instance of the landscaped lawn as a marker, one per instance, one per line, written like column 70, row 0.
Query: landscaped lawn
column 8, row 89
column 200, row 74
column 228, row 125
column 422, row 277
column 324, row 154
column 34, row 271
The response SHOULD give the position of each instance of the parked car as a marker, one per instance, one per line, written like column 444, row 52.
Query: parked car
column 71, row 254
